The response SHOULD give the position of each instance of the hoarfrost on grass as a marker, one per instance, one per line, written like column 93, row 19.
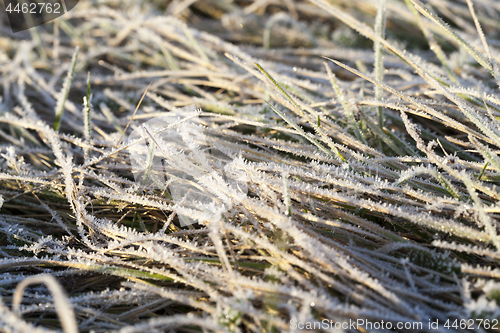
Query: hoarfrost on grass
column 303, row 188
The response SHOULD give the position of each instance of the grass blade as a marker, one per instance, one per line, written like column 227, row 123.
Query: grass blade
column 63, row 95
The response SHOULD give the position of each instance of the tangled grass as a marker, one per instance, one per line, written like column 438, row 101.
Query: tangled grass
column 366, row 133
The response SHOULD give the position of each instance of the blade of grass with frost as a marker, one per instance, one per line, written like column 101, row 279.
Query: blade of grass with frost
column 380, row 133
column 413, row 130
column 120, row 271
column 290, row 99
column 286, row 195
column 491, row 135
column 345, row 105
column 151, row 156
column 379, row 61
column 429, row 134
column 419, row 66
column 434, row 46
column 152, row 37
column 86, row 118
column 466, row 248
column 397, row 141
column 301, row 94
column 365, row 30
column 452, row 35
column 169, row 59
column 62, row 305
column 65, row 91
column 482, row 171
column 408, row 174
column 483, row 217
column 494, row 65
column 195, row 44
column 304, row 134
column 479, row 30
column 478, row 120
column 377, row 131
column 133, row 114
column 490, row 156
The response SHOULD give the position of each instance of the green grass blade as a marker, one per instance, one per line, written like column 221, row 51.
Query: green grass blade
column 65, row 91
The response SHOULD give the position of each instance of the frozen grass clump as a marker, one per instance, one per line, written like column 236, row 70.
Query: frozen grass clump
column 352, row 180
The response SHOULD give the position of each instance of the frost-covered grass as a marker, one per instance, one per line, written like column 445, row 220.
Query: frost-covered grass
column 366, row 134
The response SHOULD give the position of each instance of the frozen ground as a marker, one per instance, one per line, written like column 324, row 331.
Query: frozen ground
column 334, row 161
